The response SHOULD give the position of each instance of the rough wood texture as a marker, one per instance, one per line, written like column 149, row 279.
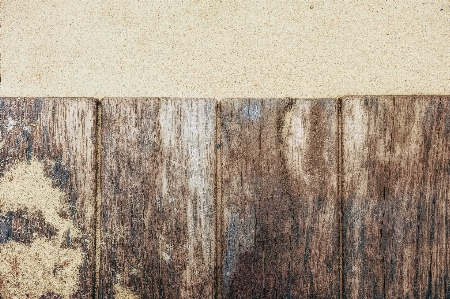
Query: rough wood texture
column 47, row 197
column 158, row 215
column 396, row 171
column 279, row 196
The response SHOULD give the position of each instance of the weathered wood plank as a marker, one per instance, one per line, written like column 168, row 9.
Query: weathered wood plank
column 47, row 197
column 158, row 198
column 396, row 171
column 279, row 199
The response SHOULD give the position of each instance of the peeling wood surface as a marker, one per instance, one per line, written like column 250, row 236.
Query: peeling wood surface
column 158, row 198
column 396, row 171
column 47, row 197
column 279, row 196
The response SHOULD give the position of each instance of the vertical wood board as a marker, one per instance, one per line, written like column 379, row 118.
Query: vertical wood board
column 279, row 199
column 396, row 171
column 47, row 197
column 158, row 198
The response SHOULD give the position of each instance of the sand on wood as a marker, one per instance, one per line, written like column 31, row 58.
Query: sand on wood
column 47, row 197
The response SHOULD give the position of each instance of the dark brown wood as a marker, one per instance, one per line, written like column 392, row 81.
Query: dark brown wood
column 158, row 198
column 47, row 197
column 279, row 199
column 396, row 179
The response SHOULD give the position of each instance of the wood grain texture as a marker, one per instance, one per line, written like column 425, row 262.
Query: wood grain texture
column 47, row 197
column 396, row 172
column 158, row 198
column 279, row 199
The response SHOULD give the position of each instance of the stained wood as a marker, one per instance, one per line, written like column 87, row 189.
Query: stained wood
column 279, row 199
column 396, row 179
column 158, row 198
column 47, row 197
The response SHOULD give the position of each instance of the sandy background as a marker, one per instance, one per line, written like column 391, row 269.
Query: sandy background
column 224, row 48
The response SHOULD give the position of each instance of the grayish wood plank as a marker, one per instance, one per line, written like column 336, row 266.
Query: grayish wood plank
column 396, row 170
column 279, row 196
column 158, row 198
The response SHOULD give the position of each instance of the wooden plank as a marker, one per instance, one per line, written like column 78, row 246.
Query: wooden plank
column 47, row 197
column 158, row 198
column 396, row 171
column 279, row 199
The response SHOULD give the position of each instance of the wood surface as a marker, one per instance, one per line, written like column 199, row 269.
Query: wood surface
column 47, row 197
column 396, row 179
column 279, row 199
column 158, row 198
column 239, row 198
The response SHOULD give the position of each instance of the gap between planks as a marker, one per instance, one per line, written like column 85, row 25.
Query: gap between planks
column 339, row 192
column 218, row 203
column 97, row 224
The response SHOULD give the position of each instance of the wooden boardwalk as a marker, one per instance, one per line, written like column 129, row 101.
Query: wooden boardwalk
column 238, row 198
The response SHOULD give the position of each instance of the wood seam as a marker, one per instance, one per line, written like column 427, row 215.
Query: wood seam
column 339, row 193
column 97, row 238
column 218, row 203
